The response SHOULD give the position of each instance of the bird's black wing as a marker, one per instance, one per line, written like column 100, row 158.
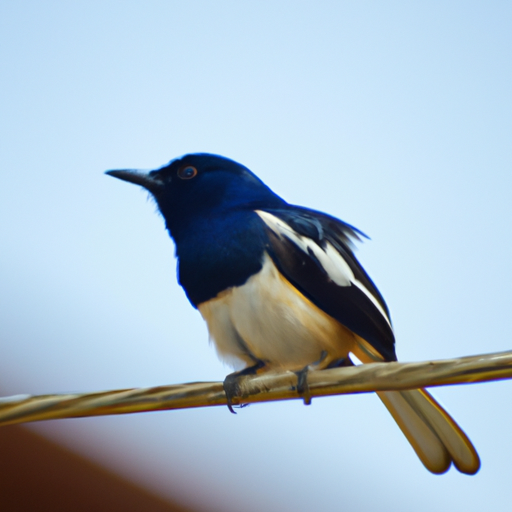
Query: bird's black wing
column 314, row 252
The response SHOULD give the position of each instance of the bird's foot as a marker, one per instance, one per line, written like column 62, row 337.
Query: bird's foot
column 302, row 379
column 302, row 375
column 303, row 386
column 232, row 383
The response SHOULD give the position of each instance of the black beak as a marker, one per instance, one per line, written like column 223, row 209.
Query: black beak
column 151, row 183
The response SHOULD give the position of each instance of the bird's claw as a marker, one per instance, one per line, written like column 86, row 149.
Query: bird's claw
column 232, row 387
column 302, row 375
column 303, row 386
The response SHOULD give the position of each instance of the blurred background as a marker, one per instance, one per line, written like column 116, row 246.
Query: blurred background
column 394, row 116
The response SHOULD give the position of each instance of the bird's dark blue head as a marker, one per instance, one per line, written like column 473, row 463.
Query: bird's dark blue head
column 200, row 186
column 208, row 203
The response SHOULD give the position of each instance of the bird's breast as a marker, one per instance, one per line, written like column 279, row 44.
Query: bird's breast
column 219, row 253
column 267, row 319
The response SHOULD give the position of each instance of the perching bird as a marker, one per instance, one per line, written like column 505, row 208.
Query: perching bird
column 280, row 288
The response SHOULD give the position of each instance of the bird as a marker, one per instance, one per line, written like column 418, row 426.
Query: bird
column 280, row 289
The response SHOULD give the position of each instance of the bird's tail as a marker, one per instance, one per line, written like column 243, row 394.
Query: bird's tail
column 436, row 438
column 433, row 433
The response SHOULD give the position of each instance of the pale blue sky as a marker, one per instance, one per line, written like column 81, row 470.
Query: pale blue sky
column 394, row 116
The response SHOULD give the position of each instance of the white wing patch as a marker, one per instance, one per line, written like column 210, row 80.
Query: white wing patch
column 329, row 258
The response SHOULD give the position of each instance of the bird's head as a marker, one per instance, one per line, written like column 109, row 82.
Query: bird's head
column 201, row 185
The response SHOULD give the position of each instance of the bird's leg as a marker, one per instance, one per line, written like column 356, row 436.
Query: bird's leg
column 302, row 375
column 231, row 382
column 302, row 379
column 303, row 386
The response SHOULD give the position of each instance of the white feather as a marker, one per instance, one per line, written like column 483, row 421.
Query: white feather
column 331, row 260
column 267, row 319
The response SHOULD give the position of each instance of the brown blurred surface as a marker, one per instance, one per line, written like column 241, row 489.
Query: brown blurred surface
column 37, row 475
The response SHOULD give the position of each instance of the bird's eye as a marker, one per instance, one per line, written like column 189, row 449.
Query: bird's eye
column 187, row 173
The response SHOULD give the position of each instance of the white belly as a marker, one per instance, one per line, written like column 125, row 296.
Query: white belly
column 267, row 319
